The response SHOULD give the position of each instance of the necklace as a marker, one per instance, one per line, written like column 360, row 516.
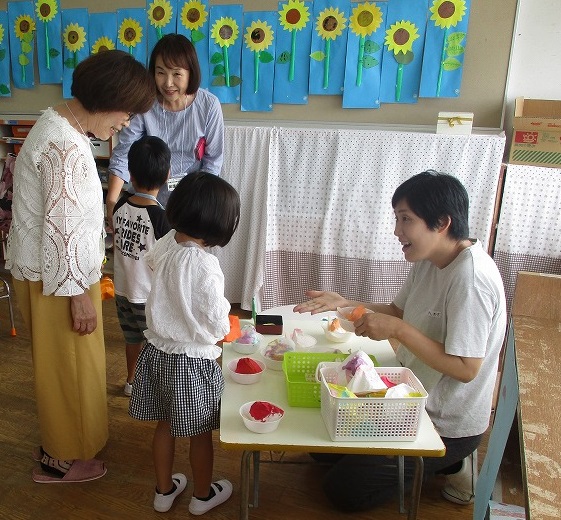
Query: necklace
column 76, row 119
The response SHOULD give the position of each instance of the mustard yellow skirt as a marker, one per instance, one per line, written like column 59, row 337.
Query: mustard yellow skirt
column 70, row 374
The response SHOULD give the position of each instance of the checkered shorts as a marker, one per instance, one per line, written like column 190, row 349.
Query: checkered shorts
column 132, row 319
column 174, row 387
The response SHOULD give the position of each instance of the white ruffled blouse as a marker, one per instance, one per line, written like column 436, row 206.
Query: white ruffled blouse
column 57, row 233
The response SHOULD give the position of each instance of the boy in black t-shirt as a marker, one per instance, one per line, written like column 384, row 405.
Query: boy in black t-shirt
column 138, row 221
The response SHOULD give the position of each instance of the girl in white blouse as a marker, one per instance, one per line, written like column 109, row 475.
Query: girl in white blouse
column 177, row 380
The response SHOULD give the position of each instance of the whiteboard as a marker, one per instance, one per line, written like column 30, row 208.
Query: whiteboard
column 535, row 61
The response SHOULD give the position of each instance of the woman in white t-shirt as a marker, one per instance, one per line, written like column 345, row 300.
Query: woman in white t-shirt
column 449, row 318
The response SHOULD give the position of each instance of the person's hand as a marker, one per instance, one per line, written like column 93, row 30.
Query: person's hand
column 321, row 301
column 109, row 208
column 377, row 326
column 84, row 316
column 114, row 187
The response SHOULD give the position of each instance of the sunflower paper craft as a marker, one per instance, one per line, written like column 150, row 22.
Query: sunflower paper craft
column 46, row 11
column 130, row 33
column 159, row 15
column 74, row 38
column 329, row 25
column 24, row 29
column 258, row 38
column 399, row 39
column 103, row 43
column 224, row 32
column 293, row 16
column 193, row 16
column 365, row 20
column 446, row 14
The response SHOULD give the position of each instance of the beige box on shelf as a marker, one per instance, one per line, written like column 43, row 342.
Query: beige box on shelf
column 101, row 149
column 454, row 123
column 536, row 136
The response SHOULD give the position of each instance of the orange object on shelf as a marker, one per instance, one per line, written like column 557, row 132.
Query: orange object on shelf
column 20, row 130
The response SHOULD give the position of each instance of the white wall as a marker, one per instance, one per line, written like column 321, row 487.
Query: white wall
column 535, row 62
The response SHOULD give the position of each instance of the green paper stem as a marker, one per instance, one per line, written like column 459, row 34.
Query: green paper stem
column 326, row 63
column 256, row 71
column 399, row 82
column 131, row 50
column 360, row 60
column 192, row 37
column 75, row 59
column 22, row 67
column 226, row 65
column 159, row 32
column 442, row 57
column 47, row 53
column 292, row 56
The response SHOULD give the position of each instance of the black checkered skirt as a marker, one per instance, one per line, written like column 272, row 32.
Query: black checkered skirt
column 177, row 388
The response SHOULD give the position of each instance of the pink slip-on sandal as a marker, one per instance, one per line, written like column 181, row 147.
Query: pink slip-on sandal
column 80, row 471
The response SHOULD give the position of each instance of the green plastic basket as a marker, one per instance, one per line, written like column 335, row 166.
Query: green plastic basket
column 299, row 368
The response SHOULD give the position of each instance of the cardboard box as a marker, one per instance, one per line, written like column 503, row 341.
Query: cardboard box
column 536, row 136
column 454, row 123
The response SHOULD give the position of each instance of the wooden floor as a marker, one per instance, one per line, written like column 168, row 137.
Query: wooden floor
column 287, row 491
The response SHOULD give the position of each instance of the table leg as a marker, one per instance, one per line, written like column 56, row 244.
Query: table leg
column 401, row 476
column 416, row 490
column 256, row 461
column 244, row 484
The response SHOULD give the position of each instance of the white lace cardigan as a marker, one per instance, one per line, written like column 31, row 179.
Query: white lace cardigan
column 57, row 233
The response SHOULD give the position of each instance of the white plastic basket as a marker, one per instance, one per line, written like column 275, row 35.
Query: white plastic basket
column 372, row 418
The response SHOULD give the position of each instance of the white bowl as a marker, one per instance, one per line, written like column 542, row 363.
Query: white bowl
column 245, row 379
column 303, row 342
column 343, row 312
column 336, row 336
column 266, row 426
column 275, row 364
column 246, row 348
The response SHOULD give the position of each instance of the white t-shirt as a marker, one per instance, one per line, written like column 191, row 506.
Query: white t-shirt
column 462, row 306
column 186, row 311
column 136, row 230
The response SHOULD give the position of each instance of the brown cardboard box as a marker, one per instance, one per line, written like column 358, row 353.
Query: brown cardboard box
column 536, row 138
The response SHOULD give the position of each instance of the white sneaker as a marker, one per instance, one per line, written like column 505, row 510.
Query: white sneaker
column 222, row 490
column 460, row 486
column 163, row 503
column 128, row 389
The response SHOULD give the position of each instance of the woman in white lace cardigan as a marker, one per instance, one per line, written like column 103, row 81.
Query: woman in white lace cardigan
column 55, row 253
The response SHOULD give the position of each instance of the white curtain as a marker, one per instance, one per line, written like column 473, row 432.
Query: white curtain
column 246, row 160
column 316, row 206
column 529, row 230
column 329, row 215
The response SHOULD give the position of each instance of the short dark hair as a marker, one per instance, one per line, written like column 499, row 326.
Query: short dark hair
column 204, row 206
column 149, row 162
column 177, row 50
column 113, row 81
column 433, row 196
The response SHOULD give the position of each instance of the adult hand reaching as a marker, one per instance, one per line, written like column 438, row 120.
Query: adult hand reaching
column 321, row 301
